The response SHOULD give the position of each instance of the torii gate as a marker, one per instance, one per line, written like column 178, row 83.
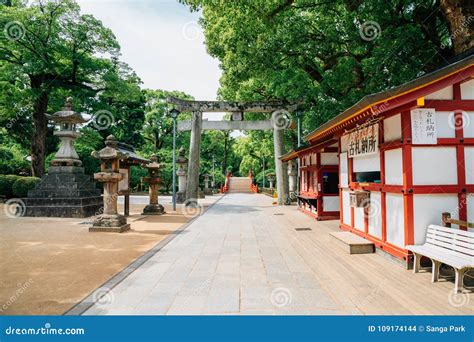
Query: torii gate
column 196, row 125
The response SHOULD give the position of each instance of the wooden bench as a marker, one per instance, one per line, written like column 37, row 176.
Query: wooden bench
column 453, row 247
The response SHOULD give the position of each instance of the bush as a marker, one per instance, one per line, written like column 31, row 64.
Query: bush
column 6, row 184
column 12, row 162
column 21, row 186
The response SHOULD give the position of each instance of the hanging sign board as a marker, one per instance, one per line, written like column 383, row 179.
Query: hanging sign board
column 364, row 141
column 423, row 126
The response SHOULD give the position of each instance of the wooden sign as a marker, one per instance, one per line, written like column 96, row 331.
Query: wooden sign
column 423, row 126
column 123, row 186
column 364, row 141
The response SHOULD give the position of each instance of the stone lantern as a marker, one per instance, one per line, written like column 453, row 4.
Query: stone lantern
column 182, row 162
column 271, row 179
column 110, row 220
column 153, row 180
column 207, row 190
column 65, row 191
column 67, row 119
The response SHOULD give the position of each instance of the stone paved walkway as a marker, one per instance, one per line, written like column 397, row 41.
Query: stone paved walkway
column 244, row 256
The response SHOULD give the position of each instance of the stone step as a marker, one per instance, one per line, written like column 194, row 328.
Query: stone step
column 64, row 211
column 354, row 244
column 62, row 201
column 66, row 185
column 53, row 193
column 67, row 177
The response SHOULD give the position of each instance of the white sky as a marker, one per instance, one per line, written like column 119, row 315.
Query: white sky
column 162, row 41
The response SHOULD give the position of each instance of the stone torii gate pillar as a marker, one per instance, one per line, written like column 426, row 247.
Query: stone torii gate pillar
column 280, row 167
column 192, row 183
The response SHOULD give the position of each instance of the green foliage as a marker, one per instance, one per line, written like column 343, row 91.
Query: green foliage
column 60, row 52
column 12, row 160
column 23, row 184
column 137, row 172
column 313, row 51
column 6, row 184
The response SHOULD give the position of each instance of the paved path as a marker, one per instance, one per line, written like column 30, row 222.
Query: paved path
column 236, row 258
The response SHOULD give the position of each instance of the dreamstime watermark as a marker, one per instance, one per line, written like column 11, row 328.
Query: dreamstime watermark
column 465, row 22
column 458, row 299
column 14, row 30
column 370, row 30
column 103, row 296
column 192, row 208
column 459, row 121
column 46, row 330
column 380, row 108
column 281, row 119
column 372, row 207
column 280, row 297
column 103, row 119
column 21, row 288
column 14, row 207
column 191, row 30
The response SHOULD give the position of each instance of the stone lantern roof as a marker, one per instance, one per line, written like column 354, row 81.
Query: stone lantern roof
column 67, row 114
column 181, row 156
column 110, row 150
column 153, row 164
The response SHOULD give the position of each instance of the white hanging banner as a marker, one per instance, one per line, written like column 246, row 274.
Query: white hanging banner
column 364, row 141
column 423, row 126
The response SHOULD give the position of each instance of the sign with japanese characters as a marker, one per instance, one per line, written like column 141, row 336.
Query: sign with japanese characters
column 423, row 126
column 364, row 141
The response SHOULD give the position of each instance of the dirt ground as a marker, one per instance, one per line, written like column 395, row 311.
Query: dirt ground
column 47, row 265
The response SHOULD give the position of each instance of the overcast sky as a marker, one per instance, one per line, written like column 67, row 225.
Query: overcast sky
column 162, row 41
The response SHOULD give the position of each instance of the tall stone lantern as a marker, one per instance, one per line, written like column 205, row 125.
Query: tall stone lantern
column 207, row 190
column 66, row 191
column 271, row 179
column 109, row 156
column 67, row 119
column 182, row 162
column 153, row 180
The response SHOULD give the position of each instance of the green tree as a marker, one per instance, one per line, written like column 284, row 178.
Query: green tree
column 49, row 50
column 327, row 54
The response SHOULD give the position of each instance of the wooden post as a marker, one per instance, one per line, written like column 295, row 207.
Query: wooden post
column 445, row 217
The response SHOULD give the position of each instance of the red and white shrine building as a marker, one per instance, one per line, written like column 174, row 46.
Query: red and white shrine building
column 390, row 165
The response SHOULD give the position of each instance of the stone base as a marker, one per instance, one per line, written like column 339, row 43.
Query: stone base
column 180, row 197
column 120, row 229
column 153, row 209
column 110, row 223
column 201, row 194
column 208, row 191
column 64, row 192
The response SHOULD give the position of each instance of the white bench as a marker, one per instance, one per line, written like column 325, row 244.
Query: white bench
column 453, row 247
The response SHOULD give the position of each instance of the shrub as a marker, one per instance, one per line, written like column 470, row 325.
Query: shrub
column 6, row 184
column 12, row 162
column 22, row 185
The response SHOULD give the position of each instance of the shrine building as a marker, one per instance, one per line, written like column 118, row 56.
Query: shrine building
column 391, row 164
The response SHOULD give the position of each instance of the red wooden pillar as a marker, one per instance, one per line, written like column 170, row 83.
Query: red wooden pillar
column 382, row 183
column 350, row 163
column 407, row 178
column 461, row 168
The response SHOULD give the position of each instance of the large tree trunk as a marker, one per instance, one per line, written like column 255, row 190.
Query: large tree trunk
column 460, row 17
column 40, row 128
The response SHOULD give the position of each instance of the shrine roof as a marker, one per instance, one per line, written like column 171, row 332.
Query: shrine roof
column 133, row 157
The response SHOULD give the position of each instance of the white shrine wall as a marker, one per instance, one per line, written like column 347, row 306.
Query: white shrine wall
column 434, row 165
